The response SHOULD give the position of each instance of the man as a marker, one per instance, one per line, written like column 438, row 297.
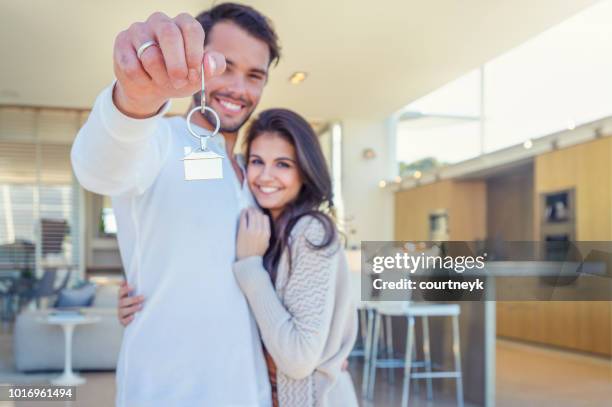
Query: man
column 176, row 237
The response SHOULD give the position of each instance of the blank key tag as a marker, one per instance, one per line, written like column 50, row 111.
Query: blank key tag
column 200, row 165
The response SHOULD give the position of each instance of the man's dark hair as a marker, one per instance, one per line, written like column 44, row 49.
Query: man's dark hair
column 245, row 17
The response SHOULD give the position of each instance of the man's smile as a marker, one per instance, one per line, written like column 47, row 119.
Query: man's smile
column 230, row 106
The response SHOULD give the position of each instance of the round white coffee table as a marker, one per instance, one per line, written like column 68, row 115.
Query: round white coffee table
column 68, row 322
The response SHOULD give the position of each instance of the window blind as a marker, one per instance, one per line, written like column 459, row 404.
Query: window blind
column 39, row 197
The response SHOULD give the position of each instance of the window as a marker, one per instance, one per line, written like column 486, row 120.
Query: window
column 39, row 204
column 555, row 81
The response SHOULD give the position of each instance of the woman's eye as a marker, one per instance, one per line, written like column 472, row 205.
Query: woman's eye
column 255, row 161
column 283, row 165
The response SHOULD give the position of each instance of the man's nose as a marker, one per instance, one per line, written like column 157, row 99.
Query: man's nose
column 237, row 87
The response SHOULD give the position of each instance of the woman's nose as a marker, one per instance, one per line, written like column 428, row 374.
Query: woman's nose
column 266, row 174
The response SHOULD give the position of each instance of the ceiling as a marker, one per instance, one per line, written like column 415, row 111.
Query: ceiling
column 364, row 59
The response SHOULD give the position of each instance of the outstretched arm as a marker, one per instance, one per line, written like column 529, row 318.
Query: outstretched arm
column 114, row 154
column 122, row 146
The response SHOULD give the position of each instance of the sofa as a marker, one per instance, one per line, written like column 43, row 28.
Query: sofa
column 40, row 347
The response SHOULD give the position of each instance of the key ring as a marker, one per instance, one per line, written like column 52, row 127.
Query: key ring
column 203, row 139
column 203, row 108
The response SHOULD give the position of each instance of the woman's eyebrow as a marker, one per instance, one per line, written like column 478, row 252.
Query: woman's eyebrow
column 285, row 158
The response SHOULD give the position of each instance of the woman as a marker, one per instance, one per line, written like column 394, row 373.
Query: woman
column 291, row 267
column 293, row 270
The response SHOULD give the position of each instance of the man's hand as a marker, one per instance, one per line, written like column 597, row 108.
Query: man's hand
column 128, row 305
column 170, row 69
column 253, row 233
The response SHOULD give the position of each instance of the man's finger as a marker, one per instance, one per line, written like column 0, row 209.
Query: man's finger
column 128, row 301
column 193, row 40
column 151, row 59
column 126, row 321
column 126, row 63
column 124, row 291
column 127, row 311
column 170, row 40
column 214, row 63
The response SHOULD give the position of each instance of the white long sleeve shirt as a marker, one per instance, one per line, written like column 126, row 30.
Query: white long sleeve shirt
column 195, row 343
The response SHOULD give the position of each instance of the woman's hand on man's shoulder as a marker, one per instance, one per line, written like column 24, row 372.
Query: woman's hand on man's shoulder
column 253, row 233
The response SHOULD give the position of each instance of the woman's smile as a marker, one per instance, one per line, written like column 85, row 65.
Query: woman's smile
column 268, row 190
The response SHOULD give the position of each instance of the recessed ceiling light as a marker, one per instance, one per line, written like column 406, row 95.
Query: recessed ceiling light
column 368, row 153
column 297, row 77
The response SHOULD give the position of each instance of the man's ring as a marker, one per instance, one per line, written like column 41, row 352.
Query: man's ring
column 143, row 47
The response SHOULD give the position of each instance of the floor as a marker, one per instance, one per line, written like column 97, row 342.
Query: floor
column 526, row 376
column 534, row 376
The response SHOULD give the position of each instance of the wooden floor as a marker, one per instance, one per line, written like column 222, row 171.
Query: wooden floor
column 530, row 376
column 526, row 376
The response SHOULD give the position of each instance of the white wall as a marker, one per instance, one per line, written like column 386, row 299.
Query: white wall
column 368, row 207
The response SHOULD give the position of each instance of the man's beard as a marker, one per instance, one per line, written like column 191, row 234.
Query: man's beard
column 210, row 118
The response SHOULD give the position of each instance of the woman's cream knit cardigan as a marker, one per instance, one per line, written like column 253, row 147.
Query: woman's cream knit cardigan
column 308, row 320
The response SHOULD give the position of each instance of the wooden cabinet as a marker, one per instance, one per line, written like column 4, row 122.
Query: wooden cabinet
column 586, row 169
column 578, row 325
column 512, row 205
column 464, row 202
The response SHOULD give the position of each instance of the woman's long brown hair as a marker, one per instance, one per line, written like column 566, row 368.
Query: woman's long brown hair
column 315, row 198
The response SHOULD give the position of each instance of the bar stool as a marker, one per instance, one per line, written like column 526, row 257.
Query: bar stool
column 359, row 348
column 412, row 311
column 386, row 335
